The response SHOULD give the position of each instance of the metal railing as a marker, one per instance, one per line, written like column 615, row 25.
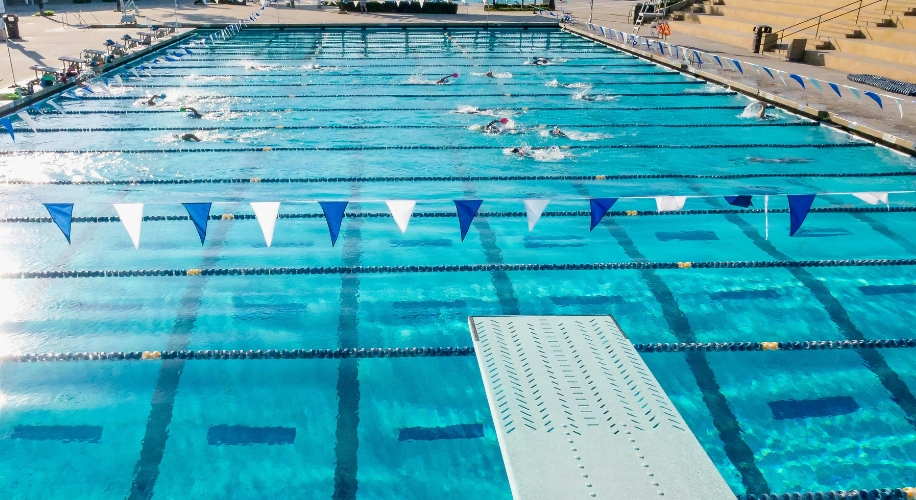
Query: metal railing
column 820, row 19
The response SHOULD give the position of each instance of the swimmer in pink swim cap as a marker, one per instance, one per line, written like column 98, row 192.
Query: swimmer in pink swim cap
column 445, row 78
column 492, row 127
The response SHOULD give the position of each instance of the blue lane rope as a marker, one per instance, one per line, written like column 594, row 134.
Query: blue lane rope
column 415, row 96
column 439, row 215
column 429, row 148
column 383, row 127
column 375, row 352
column 372, row 110
column 451, row 268
column 386, row 58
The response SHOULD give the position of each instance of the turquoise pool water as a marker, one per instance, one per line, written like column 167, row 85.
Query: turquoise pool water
column 360, row 104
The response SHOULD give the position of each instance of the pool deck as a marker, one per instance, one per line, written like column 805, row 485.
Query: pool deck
column 42, row 45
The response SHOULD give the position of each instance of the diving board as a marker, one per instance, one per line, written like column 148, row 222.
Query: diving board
column 579, row 415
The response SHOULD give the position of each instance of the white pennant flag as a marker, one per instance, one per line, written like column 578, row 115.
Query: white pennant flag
column 134, row 72
column 28, row 120
column 421, row 4
column 131, row 215
column 401, row 210
column 670, row 203
column 534, row 207
column 266, row 212
column 117, row 78
column 57, row 107
column 872, row 198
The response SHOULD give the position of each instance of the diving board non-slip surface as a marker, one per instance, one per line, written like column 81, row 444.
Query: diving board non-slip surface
column 579, row 415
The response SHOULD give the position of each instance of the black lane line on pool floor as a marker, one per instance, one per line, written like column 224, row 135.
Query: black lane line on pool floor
column 346, row 444
column 890, row 379
column 146, row 470
column 900, row 392
column 724, row 420
column 715, row 93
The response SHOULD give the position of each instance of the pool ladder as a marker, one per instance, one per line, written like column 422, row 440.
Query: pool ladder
column 658, row 9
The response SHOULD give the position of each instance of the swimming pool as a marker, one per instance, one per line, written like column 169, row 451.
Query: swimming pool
column 306, row 115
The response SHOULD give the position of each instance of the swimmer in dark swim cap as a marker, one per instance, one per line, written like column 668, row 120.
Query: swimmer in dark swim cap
column 190, row 138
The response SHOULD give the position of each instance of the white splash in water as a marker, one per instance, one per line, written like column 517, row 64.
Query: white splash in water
column 494, row 75
column 552, row 153
column 576, row 135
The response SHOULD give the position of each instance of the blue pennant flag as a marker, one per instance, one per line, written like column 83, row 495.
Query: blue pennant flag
column 62, row 215
column 768, row 72
column 600, row 207
column 799, row 205
column 738, row 65
column 718, row 61
column 200, row 214
column 875, row 97
column 742, row 201
column 835, row 88
column 697, row 55
column 333, row 213
column 797, row 79
column 8, row 125
column 661, row 48
column 467, row 209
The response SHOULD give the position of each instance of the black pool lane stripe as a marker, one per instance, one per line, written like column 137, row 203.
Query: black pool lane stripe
column 346, row 444
column 146, row 470
column 724, row 420
column 900, row 392
column 430, row 148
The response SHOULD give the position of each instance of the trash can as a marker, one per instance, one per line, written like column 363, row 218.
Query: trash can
column 759, row 31
column 12, row 26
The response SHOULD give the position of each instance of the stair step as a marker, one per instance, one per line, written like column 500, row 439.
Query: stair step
column 891, row 53
column 852, row 63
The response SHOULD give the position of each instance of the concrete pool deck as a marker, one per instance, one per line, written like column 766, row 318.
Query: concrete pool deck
column 43, row 36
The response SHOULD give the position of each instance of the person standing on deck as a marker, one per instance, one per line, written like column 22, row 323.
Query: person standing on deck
column 362, row 6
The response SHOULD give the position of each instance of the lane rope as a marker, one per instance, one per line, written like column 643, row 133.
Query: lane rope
column 451, row 268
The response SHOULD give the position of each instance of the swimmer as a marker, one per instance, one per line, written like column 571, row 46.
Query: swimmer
column 522, row 151
column 152, row 100
column 445, row 78
column 490, row 74
column 541, row 61
column 493, row 128
column 190, row 138
column 558, row 133
column 192, row 113
column 588, row 97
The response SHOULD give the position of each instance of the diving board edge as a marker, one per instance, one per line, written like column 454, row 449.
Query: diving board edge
column 579, row 415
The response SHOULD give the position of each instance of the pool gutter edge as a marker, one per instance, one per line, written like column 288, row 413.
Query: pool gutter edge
column 41, row 95
column 823, row 116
